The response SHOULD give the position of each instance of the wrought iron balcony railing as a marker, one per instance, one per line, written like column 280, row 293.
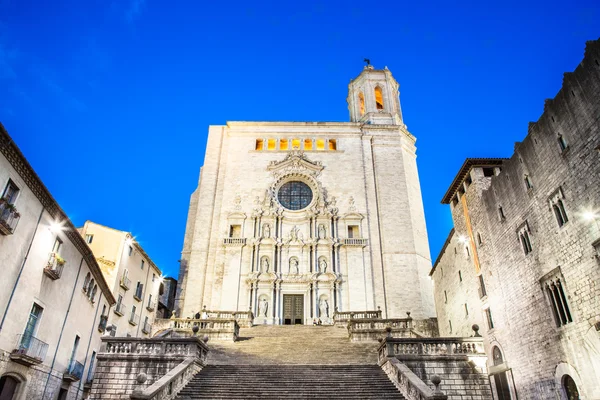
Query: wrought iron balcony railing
column 120, row 309
column 29, row 350
column 74, row 372
column 125, row 282
column 55, row 266
column 133, row 319
column 9, row 217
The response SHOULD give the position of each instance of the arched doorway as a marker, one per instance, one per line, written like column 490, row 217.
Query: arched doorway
column 8, row 387
column 570, row 388
column 500, row 378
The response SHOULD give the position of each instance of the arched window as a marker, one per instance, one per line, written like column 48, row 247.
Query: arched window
column 379, row 98
column 86, row 281
column 570, row 388
column 93, row 294
column 90, row 287
column 497, row 356
column 501, row 378
column 361, row 103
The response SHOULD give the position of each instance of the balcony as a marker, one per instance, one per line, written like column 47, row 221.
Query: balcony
column 354, row 242
column 29, row 350
column 151, row 305
column 138, row 294
column 133, row 319
column 125, row 282
column 74, row 372
column 54, row 266
column 146, row 328
column 102, row 323
column 120, row 309
column 234, row 241
column 9, row 217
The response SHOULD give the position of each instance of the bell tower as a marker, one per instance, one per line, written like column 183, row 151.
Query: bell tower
column 373, row 98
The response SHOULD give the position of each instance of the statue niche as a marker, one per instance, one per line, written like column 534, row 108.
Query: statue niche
column 322, row 268
column 294, row 270
column 264, row 265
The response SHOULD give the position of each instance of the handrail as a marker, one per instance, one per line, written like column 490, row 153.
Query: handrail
column 130, row 346
column 409, row 384
column 30, row 346
column 169, row 385
column 448, row 346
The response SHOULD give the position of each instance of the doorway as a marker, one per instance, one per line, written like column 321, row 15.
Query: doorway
column 8, row 387
column 293, row 309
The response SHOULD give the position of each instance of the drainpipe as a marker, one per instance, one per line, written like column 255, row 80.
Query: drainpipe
column 21, row 270
column 62, row 329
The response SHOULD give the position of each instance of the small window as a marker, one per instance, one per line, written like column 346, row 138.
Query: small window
column 353, row 232
column 445, row 297
column 271, row 144
column 320, row 144
column 260, row 144
column 488, row 172
column 10, row 193
column 332, row 145
column 89, row 239
column 93, row 294
column 482, row 290
column 379, row 98
column 459, row 276
column 142, row 264
column 153, row 277
column 283, row 144
column 525, row 241
column 466, row 310
column 86, row 281
column 479, row 240
column 558, row 300
column 57, row 246
column 467, row 250
column 562, row 143
column 528, row 184
column 308, row 144
column 501, row 213
column 235, row 231
column 488, row 317
column 90, row 288
column 450, row 325
column 130, row 250
column 559, row 212
column 295, row 144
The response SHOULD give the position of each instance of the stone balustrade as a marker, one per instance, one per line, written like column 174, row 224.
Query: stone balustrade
column 375, row 329
column 403, row 348
column 213, row 328
column 234, row 241
column 243, row 318
column 341, row 318
column 409, row 384
column 138, row 368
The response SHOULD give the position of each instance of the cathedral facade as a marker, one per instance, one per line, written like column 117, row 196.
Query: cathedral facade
column 293, row 220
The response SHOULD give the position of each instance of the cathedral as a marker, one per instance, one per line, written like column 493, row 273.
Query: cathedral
column 295, row 220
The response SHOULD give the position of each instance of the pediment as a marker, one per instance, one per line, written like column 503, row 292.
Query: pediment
column 295, row 161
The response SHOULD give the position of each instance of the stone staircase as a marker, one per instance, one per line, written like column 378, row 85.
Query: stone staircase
column 291, row 362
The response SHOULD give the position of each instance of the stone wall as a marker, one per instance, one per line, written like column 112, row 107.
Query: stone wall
column 557, row 160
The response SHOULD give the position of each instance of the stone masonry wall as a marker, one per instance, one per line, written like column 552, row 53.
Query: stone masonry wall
column 539, row 351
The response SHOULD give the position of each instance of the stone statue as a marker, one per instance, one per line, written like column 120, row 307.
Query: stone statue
column 266, row 231
column 263, row 306
column 294, row 266
column 264, row 265
column 322, row 231
column 323, row 266
column 324, row 308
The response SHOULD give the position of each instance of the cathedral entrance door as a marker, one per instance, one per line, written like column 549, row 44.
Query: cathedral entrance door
column 293, row 309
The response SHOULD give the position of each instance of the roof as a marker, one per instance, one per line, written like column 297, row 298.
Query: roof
column 465, row 169
column 439, row 257
column 14, row 156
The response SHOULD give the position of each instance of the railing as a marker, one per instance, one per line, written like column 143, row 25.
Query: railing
column 9, row 217
column 168, row 386
column 159, row 347
column 401, row 347
column 29, row 349
column 151, row 305
column 234, row 241
column 74, row 372
column 243, row 318
column 219, row 329
column 125, row 282
column 355, row 242
column 102, row 323
column 55, row 266
column 342, row 317
column 375, row 329
column 134, row 318
column 146, row 328
column 120, row 309
column 409, row 384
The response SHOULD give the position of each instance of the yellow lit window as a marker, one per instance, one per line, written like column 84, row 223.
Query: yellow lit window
column 283, row 144
column 295, row 144
column 259, row 144
column 361, row 103
column 332, row 144
column 271, row 144
column 307, row 144
column 320, row 144
column 379, row 98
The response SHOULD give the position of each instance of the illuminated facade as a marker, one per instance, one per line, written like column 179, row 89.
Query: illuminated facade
column 292, row 220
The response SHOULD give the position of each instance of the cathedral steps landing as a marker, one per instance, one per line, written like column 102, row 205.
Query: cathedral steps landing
column 290, row 382
column 298, row 344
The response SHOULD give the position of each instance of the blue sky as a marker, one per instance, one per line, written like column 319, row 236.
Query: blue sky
column 110, row 101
